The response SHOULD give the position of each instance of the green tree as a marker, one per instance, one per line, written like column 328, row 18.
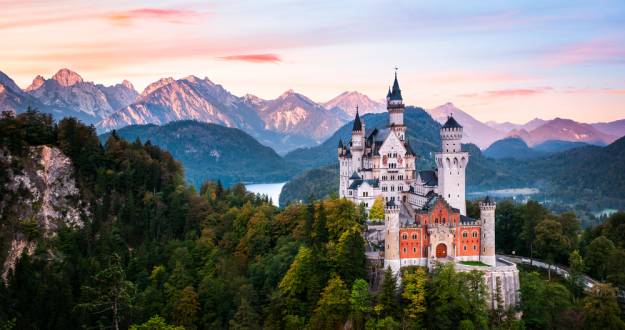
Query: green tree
column 360, row 303
column 155, row 323
column 576, row 276
column 186, row 308
column 597, row 256
column 414, row 281
column 333, row 306
column 601, row 308
column 112, row 293
column 245, row 318
column 550, row 241
column 376, row 213
column 321, row 226
column 616, row 268
column 387, row 298
column 350, row 259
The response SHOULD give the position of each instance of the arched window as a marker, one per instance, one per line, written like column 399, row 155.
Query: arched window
column 475, row 234
column 404, row 250
column 404, row 236
column 474, row 247
column 465, row 247
column 414, row 236
column 414, row 249
column 464, row 234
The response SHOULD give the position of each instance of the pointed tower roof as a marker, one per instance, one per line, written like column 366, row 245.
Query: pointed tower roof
column 451, row 123
column 357, row 122
column 396, row 91
column 340, row 143
column 388, row 95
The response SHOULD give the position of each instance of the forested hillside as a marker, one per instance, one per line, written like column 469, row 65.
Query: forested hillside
column 154, row 253
column 213, row 152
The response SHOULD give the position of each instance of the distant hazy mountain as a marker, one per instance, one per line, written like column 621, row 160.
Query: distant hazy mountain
column 210, row 151
column 511, row 147
column 67, row 92
column 554, row 146
column 294, row 113
column 347, row 102
column 474, row 130
column 12, row 98
column 563, row 130
column 615, row 128
column 508, row 126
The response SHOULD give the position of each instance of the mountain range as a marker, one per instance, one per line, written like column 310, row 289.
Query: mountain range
column 290, row 121
column 564, row 130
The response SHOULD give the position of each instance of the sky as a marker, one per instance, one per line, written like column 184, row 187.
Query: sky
column 497, row 60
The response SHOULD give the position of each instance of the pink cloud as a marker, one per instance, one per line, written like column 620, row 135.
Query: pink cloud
column 586, row 51
column 254, row 58
column 513, row 92
column 477, row 76
column 169, row 15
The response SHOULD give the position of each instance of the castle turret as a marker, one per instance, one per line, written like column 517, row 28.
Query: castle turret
column 451, row 163
column 395, row 108
column 358, row 142
column 391, row 238
column 487, row 216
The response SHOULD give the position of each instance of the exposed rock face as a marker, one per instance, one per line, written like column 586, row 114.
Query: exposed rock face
column 42, row 196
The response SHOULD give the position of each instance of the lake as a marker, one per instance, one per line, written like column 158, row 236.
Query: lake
column 270, row 189
column 503, row 193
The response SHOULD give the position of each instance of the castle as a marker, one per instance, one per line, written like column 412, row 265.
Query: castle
column 425, row 218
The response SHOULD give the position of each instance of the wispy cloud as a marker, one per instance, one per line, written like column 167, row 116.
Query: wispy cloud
column 598, row 50
column 168, row 15
column 253, row 58
column 512, row 92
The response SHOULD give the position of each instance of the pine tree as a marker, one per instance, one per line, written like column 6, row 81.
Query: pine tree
column 186, row 308
column 245, row 318
column 414, row 293
column 321, row 227
column 333, row 306
column 360, row 303
column 388, row 297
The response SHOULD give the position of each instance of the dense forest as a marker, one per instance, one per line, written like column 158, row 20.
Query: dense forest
column 155, row 253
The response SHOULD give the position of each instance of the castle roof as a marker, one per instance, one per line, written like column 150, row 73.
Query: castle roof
column 395, row 92
column 340, row 143
column 357, row 183
column 409, row 150
column 451, row 123
column 466, row 220
column 355, row 176
column 429, row 178
column 357, row 124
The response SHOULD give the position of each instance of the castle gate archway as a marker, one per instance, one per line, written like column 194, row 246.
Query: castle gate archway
column 441, row 250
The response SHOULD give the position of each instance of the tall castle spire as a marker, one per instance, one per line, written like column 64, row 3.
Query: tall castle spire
column 395, row 108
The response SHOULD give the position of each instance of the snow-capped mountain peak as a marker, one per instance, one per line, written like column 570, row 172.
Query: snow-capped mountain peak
column 347, row 102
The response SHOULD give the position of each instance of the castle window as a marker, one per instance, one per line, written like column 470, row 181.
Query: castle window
column 414, row 249
column 474, row 234
column 474, row 247
column 350, row 192
column 404, row 236
column 404, row 250
column 464, row 234
column 414, row 236
column 465, row 248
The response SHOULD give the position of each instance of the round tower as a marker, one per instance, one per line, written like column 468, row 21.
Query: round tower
column 391, row 238
column 451, row 163
column 487, row 217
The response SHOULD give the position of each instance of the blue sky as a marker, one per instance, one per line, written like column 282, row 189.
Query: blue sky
column 496, row 60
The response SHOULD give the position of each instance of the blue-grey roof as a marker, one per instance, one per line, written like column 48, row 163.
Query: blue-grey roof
column 355, row 176
column 451, row 123
column 395, row 92
column 467, row 220
column 429, row 178
column 357, row 183
column 357, row 124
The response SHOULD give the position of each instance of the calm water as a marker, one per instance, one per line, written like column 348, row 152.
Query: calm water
column 271, row 189
column 502, row 193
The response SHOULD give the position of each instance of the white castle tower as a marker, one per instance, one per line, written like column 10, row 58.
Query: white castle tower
column 358, row 143
column 487, row 216
column 391, row 237
column 451, row 163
